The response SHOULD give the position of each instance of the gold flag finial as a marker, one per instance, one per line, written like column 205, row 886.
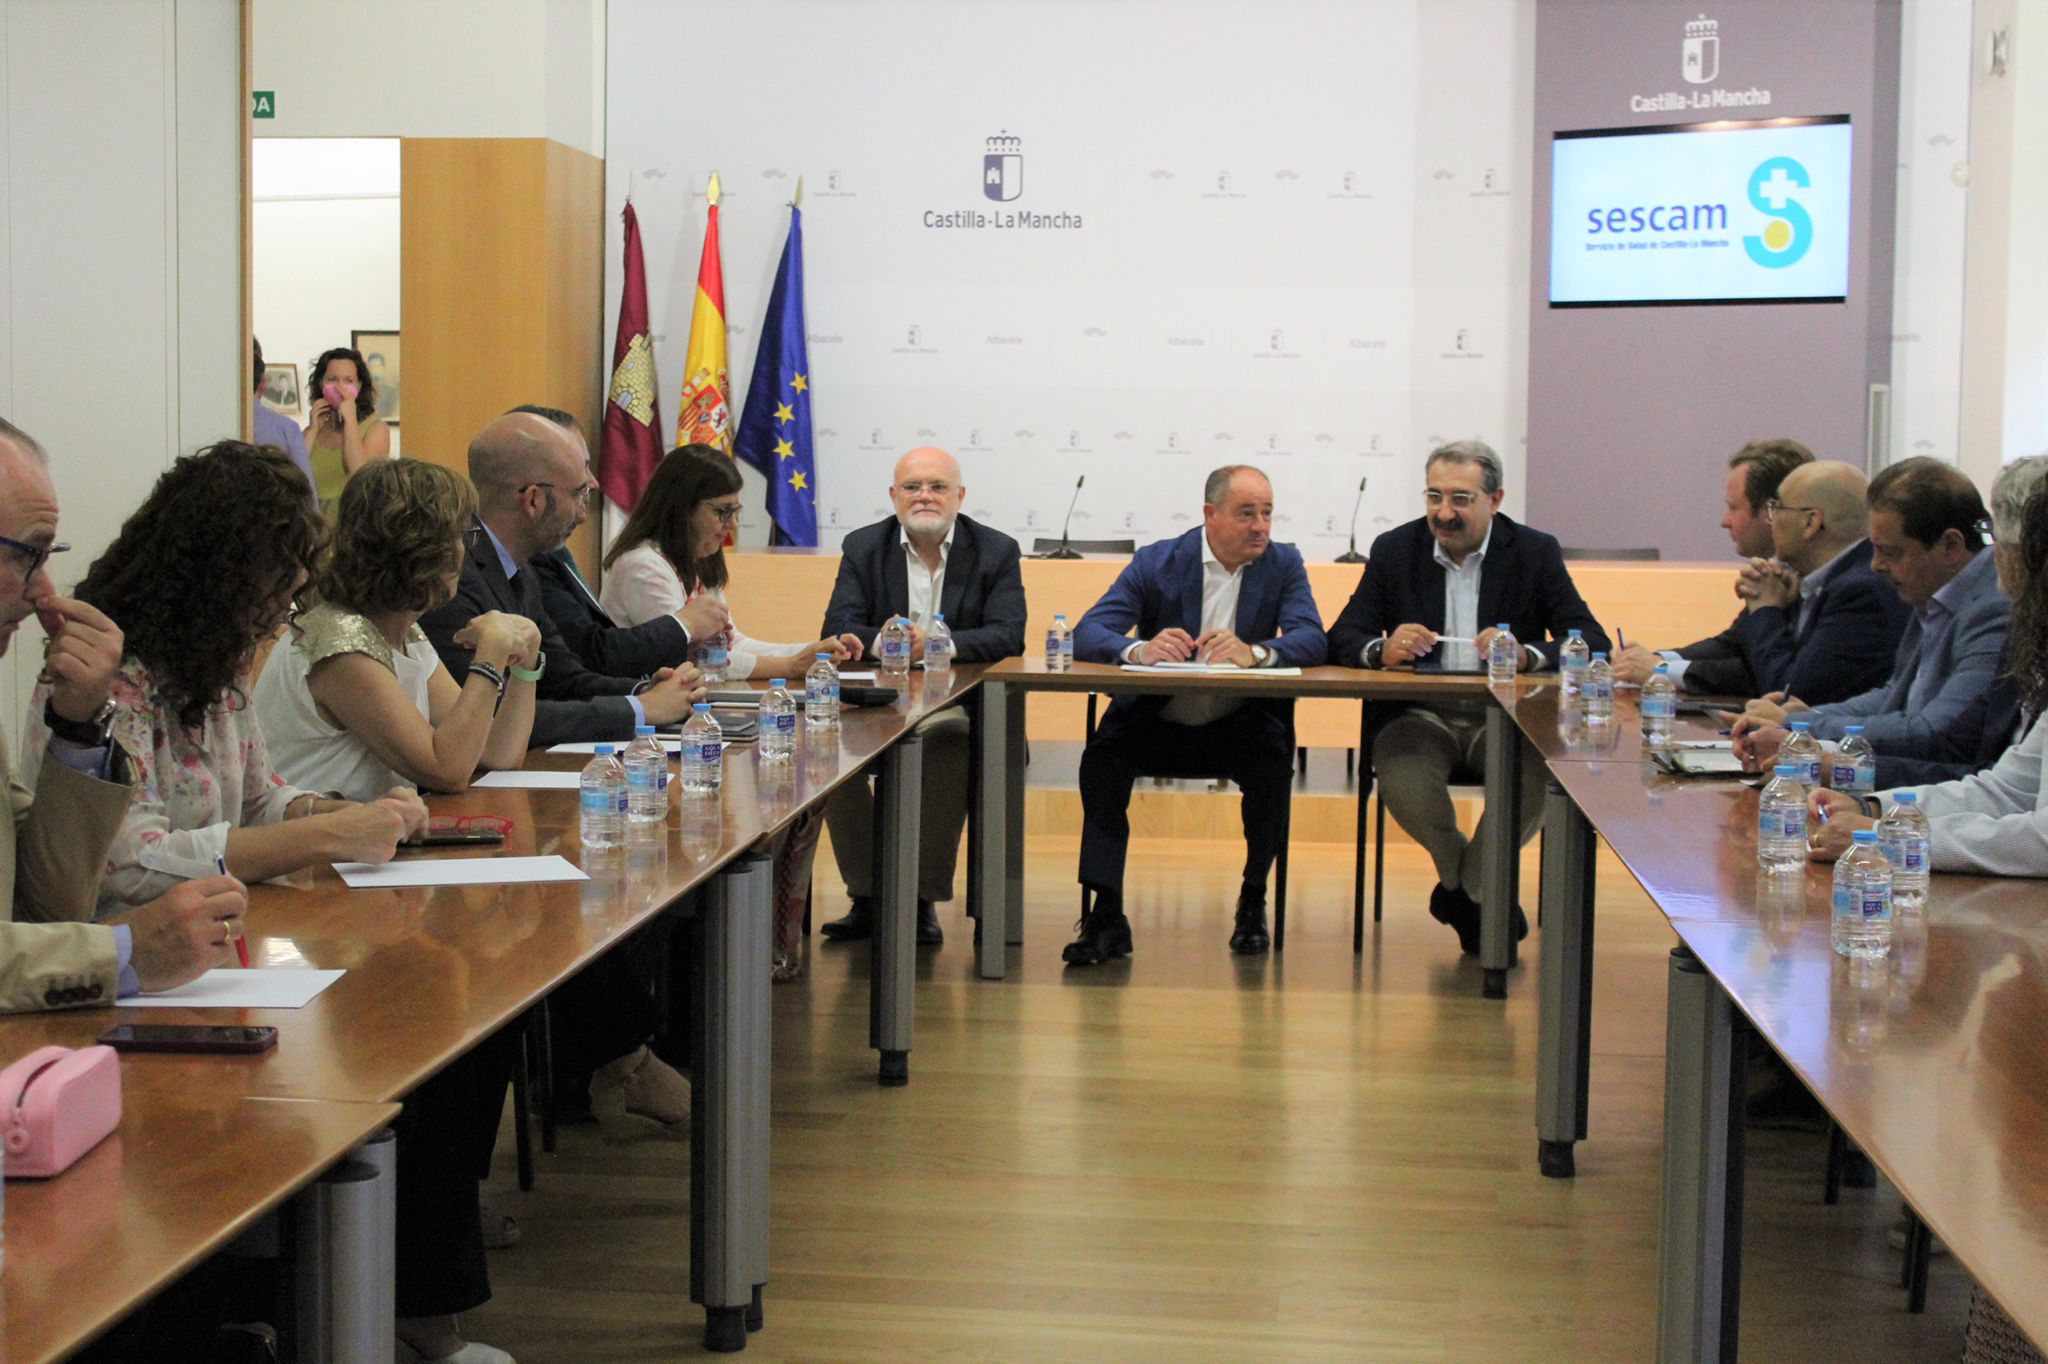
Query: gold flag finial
column 711, row 190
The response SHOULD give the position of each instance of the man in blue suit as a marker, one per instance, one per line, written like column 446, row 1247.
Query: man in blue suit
column 1433, row 592
column 1223, row 593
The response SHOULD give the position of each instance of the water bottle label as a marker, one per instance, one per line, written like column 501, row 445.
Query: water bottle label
column 625, row 801
column 643, row 777
column 1780, row 825
column 594, row 802
column 1877, row 903
column 783, row 724
column 1659, row 708
column 709, row 752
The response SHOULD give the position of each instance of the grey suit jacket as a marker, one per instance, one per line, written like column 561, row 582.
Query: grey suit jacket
column 53, row 851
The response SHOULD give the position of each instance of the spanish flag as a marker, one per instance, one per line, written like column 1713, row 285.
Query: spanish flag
column 706, row 415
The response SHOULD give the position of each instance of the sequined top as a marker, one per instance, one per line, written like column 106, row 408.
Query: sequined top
column 306, row 746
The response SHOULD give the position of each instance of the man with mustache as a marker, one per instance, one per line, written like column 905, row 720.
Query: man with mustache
column 1223, row 593
column 1450, row 576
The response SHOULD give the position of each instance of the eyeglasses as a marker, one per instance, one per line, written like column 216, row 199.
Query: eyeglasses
column 937, row 488
column 581, row 494
column 33, row 557
column 1460, row 501
column 728, row 515
column 1774, row 506
column 1984, row 529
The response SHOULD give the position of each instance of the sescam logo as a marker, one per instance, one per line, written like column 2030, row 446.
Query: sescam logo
column 1790, row 231
column 1002, row 182
column 1699, row 62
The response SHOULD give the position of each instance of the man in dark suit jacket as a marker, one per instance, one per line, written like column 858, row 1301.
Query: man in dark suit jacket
column 896, row 568
column 1456, row 573
column 533, row 487
column 1716, row 666
column 1222, row 593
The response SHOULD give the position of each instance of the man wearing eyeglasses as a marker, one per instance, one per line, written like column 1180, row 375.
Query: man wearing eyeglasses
column 600, row 642
column 53, row 847
column 927, row 559
column 1945, row 711
column 533, row 488
column 1431, row 596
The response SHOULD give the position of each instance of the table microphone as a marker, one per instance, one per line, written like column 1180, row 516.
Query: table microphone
column 1352, row 556
column 1063, row 552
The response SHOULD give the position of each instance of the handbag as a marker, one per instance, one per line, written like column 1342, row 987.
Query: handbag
column 56, row 1104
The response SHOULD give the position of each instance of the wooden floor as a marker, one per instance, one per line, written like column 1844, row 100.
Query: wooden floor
column 1196, row 1157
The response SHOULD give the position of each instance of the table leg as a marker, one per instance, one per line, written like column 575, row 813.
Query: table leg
column 892, row 976
column 729, row 1102
column 1700, row 1251
column 1504, row 850
column 988, row 881
column 1016, row 755
column 1564, row 984
column 342, row 1254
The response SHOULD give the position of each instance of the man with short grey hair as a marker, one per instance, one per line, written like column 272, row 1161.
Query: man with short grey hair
column 1432, row 595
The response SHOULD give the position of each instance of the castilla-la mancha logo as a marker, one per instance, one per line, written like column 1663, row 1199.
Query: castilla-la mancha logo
column 1700, row 59
column 1002, row 167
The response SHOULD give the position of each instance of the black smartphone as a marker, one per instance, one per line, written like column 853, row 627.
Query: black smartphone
column 454, row 838
column 188, row 1037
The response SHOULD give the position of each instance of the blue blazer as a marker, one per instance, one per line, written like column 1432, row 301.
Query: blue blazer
column 1161, row 589
column 1849, row 641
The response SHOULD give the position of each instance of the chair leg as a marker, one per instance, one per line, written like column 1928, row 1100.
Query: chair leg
column 1350, row 763
column 1301, row 762
column 1919, row 1249
column 1379, row 857
column 1358, row 872
column 1280, row 887
column 807, row 911
column 546, row 1070
column 1838, row 1151
column 522, row 1108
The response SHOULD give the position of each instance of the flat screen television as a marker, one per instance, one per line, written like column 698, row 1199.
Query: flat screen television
column 1701, row 213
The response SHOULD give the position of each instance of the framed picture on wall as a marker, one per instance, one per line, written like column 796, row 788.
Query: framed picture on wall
column 281, row 389
column 379, row 350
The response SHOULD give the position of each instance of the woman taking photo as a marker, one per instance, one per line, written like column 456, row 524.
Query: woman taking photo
column 344, row 434
column 354, row 699
column 671, row 552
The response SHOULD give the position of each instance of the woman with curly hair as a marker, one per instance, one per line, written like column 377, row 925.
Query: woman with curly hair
column 202, row 573
column 344, row 434
column 354, row 700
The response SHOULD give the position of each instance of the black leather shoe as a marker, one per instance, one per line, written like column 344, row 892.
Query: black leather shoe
column 1104, row 933
column 1249, row 938
column 929, row 934
column 857, row 924
column 1521, row 924
column 1457, row 909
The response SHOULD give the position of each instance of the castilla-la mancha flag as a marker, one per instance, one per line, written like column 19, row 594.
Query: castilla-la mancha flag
column 632, row 411
column 706, row 415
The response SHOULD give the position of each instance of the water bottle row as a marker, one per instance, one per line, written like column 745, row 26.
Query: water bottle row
column 1884, row 868
column 893, row 647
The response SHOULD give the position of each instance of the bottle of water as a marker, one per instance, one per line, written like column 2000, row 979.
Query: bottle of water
column 1059, row 646
column 1660, row 707
column 1781, row 822
column 703, row 752
column 1572, row 660
column 1597, row 688
column 1862, row 921
column 892, row 649
column 1802, row 751
column 1854, row 771
column 603, row 804
column 938, row 647
column 646, row 764
column 821, row 694
column 1503, row 657
column 1902, row 835
column 778, row 723
column 711, row 658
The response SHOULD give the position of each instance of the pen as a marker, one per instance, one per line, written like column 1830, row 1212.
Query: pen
column 241, row 943
column 1618, row 638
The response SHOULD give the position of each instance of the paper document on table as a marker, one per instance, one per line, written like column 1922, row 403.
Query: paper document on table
column 857, row 677
column 589, row 746
column 458, row 871
column 1210, row 670
column 227, row 988
column 536, row 781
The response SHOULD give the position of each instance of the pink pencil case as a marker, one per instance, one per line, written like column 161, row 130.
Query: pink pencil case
column 55, row 1105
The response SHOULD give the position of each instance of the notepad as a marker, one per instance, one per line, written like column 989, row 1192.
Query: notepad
column 537, row 781
column 229, row 988
column 1210, row 670
column 458, row 871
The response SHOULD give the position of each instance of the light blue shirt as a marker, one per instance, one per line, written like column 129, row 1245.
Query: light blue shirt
column 274, row 428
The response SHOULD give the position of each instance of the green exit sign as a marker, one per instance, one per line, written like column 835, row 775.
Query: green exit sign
column 266, row 104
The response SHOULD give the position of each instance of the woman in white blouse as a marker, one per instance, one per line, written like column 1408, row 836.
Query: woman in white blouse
column 672, row 551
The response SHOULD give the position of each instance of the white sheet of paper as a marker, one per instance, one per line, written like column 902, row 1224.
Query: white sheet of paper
column 458, row 871
column 536, row 781
column 857, row 677
column 232, row 988
column 1210, row 670
column 672, row 745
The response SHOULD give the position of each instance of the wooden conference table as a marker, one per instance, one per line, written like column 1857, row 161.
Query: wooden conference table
column 996, row 832
column 1930, row 1062
column 433, row 972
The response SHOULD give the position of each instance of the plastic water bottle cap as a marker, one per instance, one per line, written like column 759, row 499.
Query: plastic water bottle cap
column 1502, row 626
column 1059, row 615
column 822, row 658
column 604, row 750
column 1852, row 729
column 1802, row 726
column 778, row 681
column 1664, row 669
column 1787, row 769
column 1573, row 635
column 1599, row 658
column 938, row 617
column 1907, row 798
column 643, row 731
column 702, row 707
column 1864, row 836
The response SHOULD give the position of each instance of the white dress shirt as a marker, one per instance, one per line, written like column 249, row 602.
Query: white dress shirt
column 1995, row 822
column 1461, row 605
column 1220, row 589
column 927, row 586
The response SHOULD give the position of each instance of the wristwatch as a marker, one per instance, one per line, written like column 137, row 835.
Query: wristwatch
column 540, row 665
column 90, row 733
column 1260, row 655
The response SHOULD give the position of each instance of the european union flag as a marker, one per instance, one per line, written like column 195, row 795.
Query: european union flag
column 775, row 429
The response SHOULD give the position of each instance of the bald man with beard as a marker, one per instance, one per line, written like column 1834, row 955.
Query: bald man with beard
column 926, row 559
column 1820, row 623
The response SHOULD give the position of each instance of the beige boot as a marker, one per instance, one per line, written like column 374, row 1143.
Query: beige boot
column 637, row 1092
